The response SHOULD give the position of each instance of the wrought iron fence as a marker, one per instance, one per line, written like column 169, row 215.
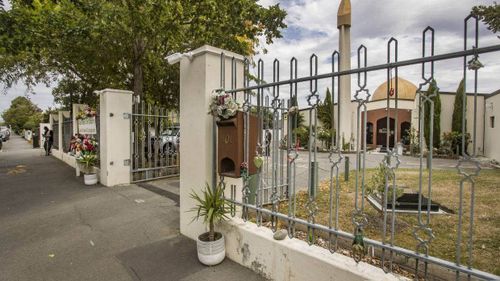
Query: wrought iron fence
column 155, row 142
column 67, row 127
column 277, row 177
column 55, row 130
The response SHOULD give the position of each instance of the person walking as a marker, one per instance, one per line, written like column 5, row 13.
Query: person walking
column 48, row 138
column 51, row 141
column 45, row 136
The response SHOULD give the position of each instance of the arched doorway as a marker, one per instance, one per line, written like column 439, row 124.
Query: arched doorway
column 405, row 133
column 382, row 132
column 369, row 133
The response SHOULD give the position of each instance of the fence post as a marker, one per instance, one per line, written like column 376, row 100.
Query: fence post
column 76, row 109
column 114, row 137
column 199, row 76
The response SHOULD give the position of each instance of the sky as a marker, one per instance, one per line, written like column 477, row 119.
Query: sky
column 312, row 29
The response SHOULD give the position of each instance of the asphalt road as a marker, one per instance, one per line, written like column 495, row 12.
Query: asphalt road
column 52, row 227
column 372, row 160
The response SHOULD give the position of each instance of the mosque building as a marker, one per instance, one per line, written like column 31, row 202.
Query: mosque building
column 406, row 116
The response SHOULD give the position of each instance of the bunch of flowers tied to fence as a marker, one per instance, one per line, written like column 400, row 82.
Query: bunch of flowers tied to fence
column 86, row 153
column 222, row 105
column 87, row 112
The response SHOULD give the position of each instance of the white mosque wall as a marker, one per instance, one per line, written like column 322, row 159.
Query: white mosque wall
column 492, row 131
column 447, row 106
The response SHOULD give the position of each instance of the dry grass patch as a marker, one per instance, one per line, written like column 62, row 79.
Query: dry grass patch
column 445, row 191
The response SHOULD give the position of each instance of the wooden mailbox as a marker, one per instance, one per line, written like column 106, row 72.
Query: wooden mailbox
column 231, row 145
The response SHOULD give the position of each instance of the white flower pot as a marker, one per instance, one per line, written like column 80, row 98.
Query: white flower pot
column 211, row 252
column 90, row 179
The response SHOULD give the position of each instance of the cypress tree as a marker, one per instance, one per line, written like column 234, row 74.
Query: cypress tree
column 458, row 110
column 436, row 137
column 458, row 119
column 325, row 111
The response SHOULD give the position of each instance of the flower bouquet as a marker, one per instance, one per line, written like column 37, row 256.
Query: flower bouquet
column 87, row 158
column 222, row 105
column 87, row 112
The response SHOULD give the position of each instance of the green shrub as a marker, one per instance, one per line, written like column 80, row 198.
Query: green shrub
column 376, row 184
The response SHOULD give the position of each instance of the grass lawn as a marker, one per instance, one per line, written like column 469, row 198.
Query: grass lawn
column 445, row 191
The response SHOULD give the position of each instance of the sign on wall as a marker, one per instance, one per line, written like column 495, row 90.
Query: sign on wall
column 86, row 126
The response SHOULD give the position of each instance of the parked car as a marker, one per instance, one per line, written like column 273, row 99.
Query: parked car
column 4, row 134
column 168, row 141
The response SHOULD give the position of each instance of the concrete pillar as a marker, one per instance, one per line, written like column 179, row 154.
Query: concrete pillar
column 344, row 99
column 62, row 115
column 199, row 76
column 114, row 138
column 76, row 108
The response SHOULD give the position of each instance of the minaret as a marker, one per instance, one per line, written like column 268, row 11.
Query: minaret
column 344, row 99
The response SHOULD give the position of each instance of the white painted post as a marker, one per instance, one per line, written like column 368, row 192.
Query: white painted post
column 62, row 115
column 199, row 76
column 114, row 146
column 76, row 108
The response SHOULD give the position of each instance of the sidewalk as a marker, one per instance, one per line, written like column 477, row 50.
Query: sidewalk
column 55, row 228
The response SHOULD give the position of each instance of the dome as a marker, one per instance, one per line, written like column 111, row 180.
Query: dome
column 406, row 90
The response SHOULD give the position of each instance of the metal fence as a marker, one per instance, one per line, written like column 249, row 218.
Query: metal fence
column 55, row 130
column 67, row 133
column 155, row 142
column 278, row 175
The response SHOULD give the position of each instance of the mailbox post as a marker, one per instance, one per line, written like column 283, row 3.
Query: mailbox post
column 231, row 147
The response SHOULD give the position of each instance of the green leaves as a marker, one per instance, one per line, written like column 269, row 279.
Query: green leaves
column 22, row 114
column 490, row 15
column 210, row 206
column 88, row 45
column 88, row 160
column 436, row 135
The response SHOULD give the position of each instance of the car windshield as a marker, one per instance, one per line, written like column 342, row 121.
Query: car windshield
column 170, row 132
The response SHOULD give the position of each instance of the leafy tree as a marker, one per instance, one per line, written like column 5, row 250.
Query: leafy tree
column 325, row 111
column 436, row 137
column 458, row 117
column 297, row 117
column 89, row 45
column 22, row 114
column 490, row 15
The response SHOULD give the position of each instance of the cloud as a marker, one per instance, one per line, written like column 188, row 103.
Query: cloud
column 42, row 96
column 312, row 28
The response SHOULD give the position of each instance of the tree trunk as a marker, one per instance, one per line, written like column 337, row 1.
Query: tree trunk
column 138, row 74
column 211, row 232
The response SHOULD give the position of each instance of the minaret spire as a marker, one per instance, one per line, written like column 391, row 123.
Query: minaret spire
column 344, row 14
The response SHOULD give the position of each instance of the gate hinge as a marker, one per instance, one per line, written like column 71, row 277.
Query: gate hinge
column 126, row 115
column 126, row 162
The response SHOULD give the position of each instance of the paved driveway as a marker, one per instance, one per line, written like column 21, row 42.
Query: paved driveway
column 372, row 161
column 52, row 227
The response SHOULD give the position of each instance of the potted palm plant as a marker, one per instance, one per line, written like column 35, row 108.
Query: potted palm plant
column 87, row 159
column 212, row 208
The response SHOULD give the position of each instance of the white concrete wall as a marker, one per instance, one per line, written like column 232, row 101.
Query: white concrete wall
column 292, row 259
column 114, row 136
column 198, row 78
column 492, row 134
column 447, row 106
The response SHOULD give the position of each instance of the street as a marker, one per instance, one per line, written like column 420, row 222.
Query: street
column 55, row 228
